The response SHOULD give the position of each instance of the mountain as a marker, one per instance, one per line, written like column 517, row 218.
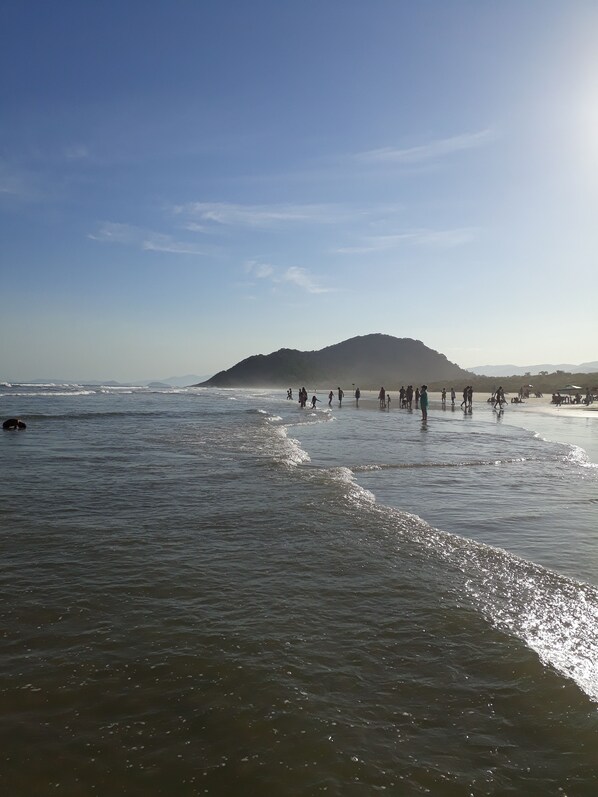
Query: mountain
column 171, row 381
column 521, row 370
column 368, row 361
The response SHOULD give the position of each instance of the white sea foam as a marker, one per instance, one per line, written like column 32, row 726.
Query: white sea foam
column 46, row 384
column 355, row 494
column 579, row 456
column 53, row 393
column 291, row 453
column 555, row 616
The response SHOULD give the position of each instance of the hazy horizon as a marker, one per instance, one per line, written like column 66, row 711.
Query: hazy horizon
column 498, row 369
column 198, row 183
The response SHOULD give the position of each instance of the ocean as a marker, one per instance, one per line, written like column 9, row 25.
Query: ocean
column 215, row 592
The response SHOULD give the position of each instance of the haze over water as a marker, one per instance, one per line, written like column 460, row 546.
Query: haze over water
column 214, row 592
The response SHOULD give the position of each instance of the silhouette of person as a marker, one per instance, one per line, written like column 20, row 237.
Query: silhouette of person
column 423, row 402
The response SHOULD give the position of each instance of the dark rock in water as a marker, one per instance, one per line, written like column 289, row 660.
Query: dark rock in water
column 368, row 360
column 14, row 423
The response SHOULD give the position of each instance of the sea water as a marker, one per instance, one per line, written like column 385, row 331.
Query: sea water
column 217, row 592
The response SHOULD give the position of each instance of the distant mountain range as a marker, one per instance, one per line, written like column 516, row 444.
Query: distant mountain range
column 522, row 370
column 183, row 381
column 171, row 381
column 368, row 361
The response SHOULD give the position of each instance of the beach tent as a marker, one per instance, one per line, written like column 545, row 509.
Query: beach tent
column 570, row 388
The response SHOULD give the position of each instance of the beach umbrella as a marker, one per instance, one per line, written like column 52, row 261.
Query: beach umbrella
column 569, row 388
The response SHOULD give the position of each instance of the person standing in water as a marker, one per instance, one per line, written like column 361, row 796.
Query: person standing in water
column 357, row 396
column 423, row 403
column 341, row 393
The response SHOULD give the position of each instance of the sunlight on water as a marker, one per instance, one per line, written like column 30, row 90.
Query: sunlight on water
column 215, row 592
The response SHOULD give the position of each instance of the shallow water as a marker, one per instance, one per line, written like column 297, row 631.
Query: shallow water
column 214, row 592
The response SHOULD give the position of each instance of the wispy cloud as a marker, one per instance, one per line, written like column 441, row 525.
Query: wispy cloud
column 16, row 184
column 429, row 151
column 259, row 270
column 202, row 216
column 442, row 239
column 76, row 152
column 302, row 279
column 147, row 241
column 294, row 275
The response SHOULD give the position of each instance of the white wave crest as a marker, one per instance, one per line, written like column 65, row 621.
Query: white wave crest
column 355, row 494
column 555, row 616
column 52, row 393
column 292, row 454
column 578, row 456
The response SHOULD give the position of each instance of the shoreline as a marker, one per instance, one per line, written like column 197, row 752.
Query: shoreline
column 570, row 424
column 542, row 405
column 369, row 399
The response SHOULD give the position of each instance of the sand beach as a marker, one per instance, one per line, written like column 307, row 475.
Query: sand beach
column 575, row 424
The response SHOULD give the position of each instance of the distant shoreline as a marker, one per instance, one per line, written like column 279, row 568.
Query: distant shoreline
column 370, row 398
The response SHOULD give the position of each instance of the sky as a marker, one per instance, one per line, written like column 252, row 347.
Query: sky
column 186, row 183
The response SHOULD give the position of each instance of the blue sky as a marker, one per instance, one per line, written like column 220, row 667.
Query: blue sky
column 184, row 184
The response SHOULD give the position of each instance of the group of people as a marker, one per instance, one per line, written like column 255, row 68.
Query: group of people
column 406, row 398
column 443, row 397
column 315, row 399
column 384, row 399
column 576, row 399
column 467, row 402
column 408, row 394
column 302, row 396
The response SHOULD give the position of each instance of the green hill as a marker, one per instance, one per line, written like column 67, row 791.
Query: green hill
column 368, row 361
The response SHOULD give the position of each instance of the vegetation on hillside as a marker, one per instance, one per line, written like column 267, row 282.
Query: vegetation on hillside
column 368, row 361
column 544, row 383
